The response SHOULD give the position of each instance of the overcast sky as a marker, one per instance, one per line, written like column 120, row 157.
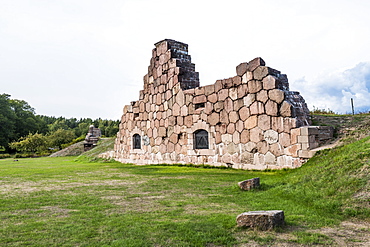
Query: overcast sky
column 87, row 58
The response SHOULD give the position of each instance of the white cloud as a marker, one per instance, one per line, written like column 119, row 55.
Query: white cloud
column 334, row 90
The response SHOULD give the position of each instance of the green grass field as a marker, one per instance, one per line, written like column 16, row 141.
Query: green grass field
column 65, row 201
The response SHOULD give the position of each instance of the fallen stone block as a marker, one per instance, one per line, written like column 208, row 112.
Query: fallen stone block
column 249, row 184
column 262, row 220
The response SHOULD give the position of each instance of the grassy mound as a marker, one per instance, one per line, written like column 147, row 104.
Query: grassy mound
column 348, row 128
column 72, row 150
column 104, row 145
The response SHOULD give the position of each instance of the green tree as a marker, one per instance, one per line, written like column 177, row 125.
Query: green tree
column 7, row 121
column 82, row 129
column 60, row 123
column 31, row 143
column 25, row 119
column 60, row 137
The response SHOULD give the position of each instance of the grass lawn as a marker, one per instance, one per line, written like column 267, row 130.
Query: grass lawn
column 63, row 202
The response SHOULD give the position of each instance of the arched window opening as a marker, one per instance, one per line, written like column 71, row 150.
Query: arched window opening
column 136, row 141
column 201, row 139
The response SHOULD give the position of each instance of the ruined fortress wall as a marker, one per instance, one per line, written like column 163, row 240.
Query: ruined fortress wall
column 249, row 121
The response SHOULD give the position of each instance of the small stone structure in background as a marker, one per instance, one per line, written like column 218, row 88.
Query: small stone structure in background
column 249, row 184
column 262, row 220
column 92, row 138
column 249, row 121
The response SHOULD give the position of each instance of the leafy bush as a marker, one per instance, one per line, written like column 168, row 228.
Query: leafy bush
column 31, row 143
column 4, row 156
column 24, row 155
column 60, row 137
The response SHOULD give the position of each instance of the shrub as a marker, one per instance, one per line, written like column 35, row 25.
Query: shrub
column 4, row 156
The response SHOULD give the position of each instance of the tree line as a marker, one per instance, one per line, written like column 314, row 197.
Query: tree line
column 22, row 130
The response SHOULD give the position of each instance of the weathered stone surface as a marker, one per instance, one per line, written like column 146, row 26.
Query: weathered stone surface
column 236, row 138
column 184, row 110
column 199, row 91
column 218, row 139
column 162, row 131
column 264, row 122
column 277, row 123
column 262, row 147
column 269, row 82
column 224, row 117
column 276, row 149
column 257, row 108
column 253, row 64
column 271, row 136
column 212, row 98
column 249, row 99
column 284, row 139
column 248, row 76
column 242, row 91
column 244, row 113
column 270, row 158
column 260, row 72
column 271, row 108
column 230, row 128
column 219, row 106
column 251, row 122
column 214, row 118
column 239, row 126
column 199, row 99
column 239, row 103
column 218, row 85
column 254, row 86
column 262, row 96
column 249, row 184
column 251, row 147
column 233, row 93
column 237, row 80
column 223, row 94
column 209, row 89
column 286, row 109
column 262, row 220
column 293, row 150
column 228, row 105
column 255, row 134
column 241, row 69
column 276, row 95
column 188, row 121
column 244, row 136
column 233, row 117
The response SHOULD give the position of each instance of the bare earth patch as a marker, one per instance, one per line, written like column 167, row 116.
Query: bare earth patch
column 349, row 233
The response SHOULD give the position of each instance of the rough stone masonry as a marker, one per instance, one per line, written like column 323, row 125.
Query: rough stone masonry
column 249, row 121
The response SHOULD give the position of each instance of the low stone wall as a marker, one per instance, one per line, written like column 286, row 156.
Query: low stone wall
column 249, row 121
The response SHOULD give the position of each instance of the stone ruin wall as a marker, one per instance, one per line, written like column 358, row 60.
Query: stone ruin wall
column 252, row 119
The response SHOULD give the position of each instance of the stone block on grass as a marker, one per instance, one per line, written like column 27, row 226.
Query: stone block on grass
column 249, row 184
column 262, row 220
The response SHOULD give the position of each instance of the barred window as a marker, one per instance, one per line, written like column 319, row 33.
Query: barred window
column 136, row 141
column 201, row 139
